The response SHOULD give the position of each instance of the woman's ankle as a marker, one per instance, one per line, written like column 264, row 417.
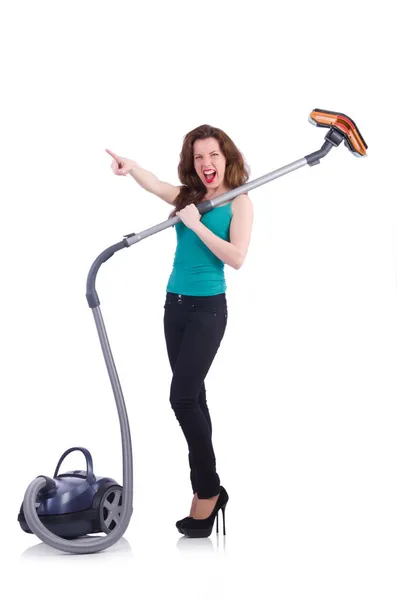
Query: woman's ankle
column 194, row 502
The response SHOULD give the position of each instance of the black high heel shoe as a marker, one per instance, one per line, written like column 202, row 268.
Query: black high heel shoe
column 192, row 527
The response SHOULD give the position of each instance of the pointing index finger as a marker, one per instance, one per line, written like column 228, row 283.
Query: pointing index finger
column 113, row 155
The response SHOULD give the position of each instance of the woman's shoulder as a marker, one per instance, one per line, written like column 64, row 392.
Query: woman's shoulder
column 241, row 202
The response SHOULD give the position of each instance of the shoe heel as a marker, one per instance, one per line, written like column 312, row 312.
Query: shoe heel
column 224, row 525
column 217, row 520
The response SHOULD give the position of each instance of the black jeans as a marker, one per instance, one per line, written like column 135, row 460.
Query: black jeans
column 194, row 327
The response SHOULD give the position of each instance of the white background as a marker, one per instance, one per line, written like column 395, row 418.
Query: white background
column 302, row 393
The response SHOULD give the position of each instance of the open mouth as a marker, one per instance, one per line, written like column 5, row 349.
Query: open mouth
column 209, row 176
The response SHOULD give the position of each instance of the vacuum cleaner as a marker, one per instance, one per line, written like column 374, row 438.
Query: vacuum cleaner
column 65, row 509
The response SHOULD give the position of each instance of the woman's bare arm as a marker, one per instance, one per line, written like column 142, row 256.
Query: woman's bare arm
column 145, row 178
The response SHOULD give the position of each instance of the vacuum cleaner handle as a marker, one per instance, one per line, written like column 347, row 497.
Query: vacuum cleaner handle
column 90, row 469
column 204, row 207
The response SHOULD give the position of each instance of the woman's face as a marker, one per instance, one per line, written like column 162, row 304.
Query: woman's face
column 207, row 156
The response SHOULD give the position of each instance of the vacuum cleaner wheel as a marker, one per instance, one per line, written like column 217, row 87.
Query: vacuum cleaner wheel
column 110, row 508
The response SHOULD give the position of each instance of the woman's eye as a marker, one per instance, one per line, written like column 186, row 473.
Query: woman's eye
column 215, row 154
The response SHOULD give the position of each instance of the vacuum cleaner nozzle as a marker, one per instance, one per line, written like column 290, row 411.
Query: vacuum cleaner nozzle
column 353, row 139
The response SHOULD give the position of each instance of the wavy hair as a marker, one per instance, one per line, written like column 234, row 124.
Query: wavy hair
column 193, row 189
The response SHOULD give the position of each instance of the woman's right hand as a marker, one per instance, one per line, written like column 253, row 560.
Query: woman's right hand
column 120, row 165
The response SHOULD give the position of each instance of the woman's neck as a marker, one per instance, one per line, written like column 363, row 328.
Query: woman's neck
column 215, row 193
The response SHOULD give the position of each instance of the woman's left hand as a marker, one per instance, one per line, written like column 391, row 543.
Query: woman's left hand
column 190, row 216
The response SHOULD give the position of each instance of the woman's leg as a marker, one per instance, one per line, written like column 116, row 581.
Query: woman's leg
column 174, row 332
column 205, row 327
column 174, row 336
column 202, row 401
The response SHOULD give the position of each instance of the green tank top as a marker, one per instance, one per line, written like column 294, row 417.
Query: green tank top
column 196, row 270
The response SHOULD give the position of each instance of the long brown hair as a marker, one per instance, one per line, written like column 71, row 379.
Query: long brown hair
column 193, row 189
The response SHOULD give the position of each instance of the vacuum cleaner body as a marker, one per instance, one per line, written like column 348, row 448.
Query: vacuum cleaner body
column 77, row 503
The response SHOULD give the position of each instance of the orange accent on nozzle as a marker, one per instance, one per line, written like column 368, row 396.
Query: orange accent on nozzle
column 353, row 138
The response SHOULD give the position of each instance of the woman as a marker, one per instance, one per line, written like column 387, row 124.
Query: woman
column 195, row 310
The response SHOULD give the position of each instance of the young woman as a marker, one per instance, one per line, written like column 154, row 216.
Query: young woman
column 195, row 309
